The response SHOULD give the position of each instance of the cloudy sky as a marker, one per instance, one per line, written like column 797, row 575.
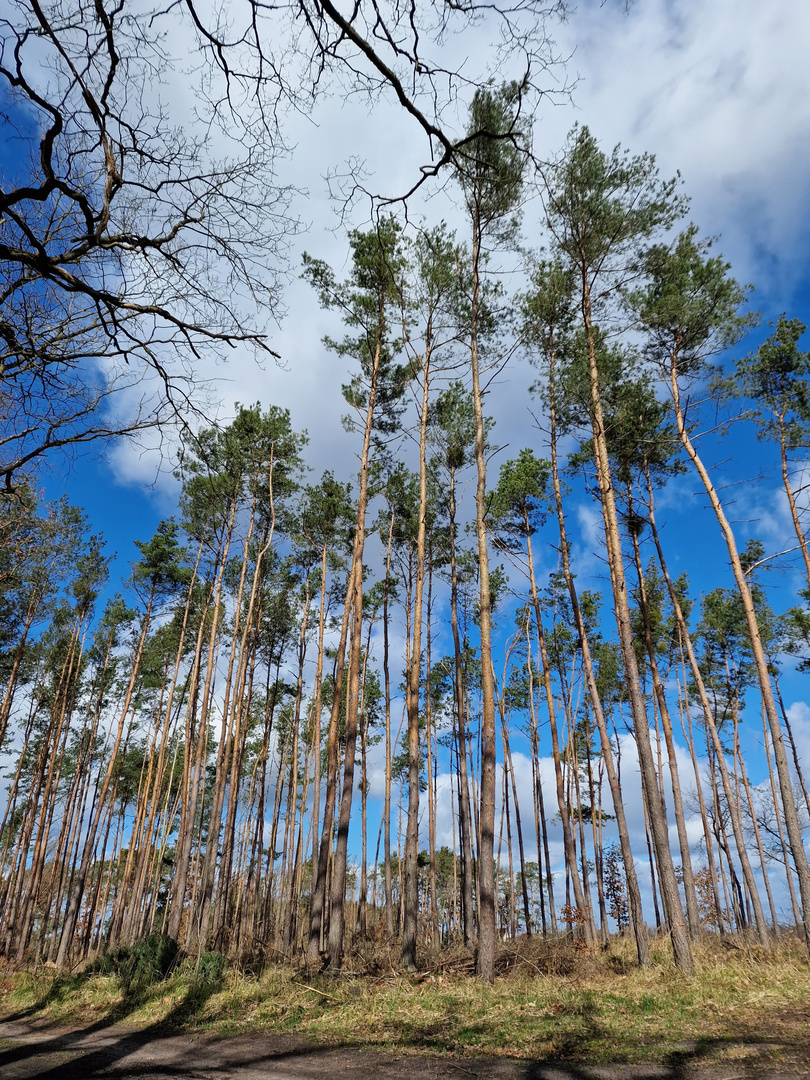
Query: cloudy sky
column 717, row 91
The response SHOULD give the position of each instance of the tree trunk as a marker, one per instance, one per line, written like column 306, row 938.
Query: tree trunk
column 633, row 891
column 711, row 728
column 354, row 603
column 319, row 872
column 69, row 924
column 692, row 915
column 666, row 871
column 464, row 813
column 760, row 661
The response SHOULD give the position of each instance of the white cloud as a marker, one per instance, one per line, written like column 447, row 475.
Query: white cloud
column 799, row 716
column 717, row 91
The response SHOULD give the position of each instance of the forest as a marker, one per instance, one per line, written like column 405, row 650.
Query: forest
column 192, row 757
column 468, row 693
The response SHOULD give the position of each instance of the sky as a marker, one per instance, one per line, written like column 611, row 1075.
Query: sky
column 717, row 91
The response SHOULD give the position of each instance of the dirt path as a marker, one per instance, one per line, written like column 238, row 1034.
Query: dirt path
column 30, row 1049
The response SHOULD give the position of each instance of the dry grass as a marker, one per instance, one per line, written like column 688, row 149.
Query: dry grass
column 549, row 1001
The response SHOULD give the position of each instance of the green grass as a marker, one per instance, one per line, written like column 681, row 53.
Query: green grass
column 594, row 1007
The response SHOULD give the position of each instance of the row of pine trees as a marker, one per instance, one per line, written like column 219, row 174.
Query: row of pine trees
column 193, row 759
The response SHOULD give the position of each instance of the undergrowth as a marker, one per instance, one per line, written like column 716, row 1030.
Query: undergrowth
column 549, row 1000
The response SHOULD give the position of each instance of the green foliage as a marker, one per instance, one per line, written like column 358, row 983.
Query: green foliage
column 490, row 159
column 147, row 962
column 794, row 632
column 46, row 556
column 159, row 571
column 689, row 306
column 639, row 438
column 92, row 569
column 725, row 659
column 211, row 967
column 256, row 457
column 114, row 620
column 615, row 890
column 611, row 683
column 436, row 297
column 617, row 366
column 375, row 286
column 326, row 515
column 660, row 618
column 547, row 310
column 517, row 505
column 603, row 208
column 452, row 426
column 775, row 379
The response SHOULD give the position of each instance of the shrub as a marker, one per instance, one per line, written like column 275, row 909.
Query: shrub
column 148, row 961
column 211, row 967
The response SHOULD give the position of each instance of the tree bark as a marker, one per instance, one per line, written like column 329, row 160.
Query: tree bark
column 666, row 871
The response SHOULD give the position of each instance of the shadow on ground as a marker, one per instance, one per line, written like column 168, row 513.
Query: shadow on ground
column 38, row 1046
column 164, row 1051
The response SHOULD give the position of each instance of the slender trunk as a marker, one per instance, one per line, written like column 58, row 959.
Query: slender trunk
column 71, row 914
column 794, row 512
column 633, row 890
column 676, row 922
column 789, row 730
column 193, row 774
column 711, row 727
column 540, row 826
column 432, row 768
column 692, row 915
column 596, row 816
column 651, row 858
column 464, row 814
column 685, row 711
column 796, row 912
column 363, row 729
column 201, row 910
column 319, row 872
column 389, row 899
column 287, row 887
column 241, row 706
column 519, row 826
column 20, row 914
column 316, row 716
column 354, row 603
column 760, row 850
column 792, row 824
column 487, row 930
column 411, row 884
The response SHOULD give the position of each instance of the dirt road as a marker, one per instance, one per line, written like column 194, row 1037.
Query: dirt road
column 29, row 1049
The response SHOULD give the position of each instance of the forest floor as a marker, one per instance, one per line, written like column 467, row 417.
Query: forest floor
column 551, row 1011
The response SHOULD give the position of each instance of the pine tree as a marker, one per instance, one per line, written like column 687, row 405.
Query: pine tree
column 602, row 211
column 489, row 170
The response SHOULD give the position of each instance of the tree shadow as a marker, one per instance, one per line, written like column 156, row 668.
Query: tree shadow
column 87, row 1064
column 577, row 1051
column 172, row 1048
column 164, row 1049
column 700, row 1057
column 58, row 987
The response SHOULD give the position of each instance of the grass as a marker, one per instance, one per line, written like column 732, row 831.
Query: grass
column 549, row 1003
